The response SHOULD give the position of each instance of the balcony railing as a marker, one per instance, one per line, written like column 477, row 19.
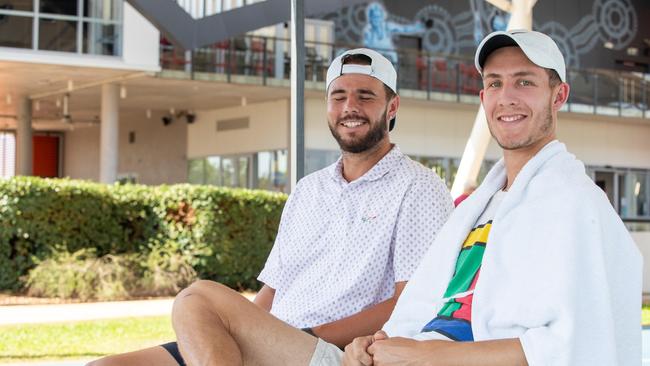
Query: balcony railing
column 420, row 74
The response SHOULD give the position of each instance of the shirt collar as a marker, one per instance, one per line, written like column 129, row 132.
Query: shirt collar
column 383, row 166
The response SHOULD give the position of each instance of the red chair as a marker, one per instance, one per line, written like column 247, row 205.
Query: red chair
column 441, row 78
column 221, row 54
column 471, row 82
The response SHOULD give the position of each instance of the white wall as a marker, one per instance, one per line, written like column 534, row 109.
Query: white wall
column 268, row 130
column 140, row 45
column 423, row 128
column 614, row 142
column 317, row 134
column 81, row 153
column 157, row 156
column 441, row 130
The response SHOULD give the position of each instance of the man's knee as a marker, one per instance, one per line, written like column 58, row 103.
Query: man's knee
column 203, row 288
column 202, row 292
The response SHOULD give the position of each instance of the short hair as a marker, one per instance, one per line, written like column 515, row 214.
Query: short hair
column 553, row 78
column 361, row 59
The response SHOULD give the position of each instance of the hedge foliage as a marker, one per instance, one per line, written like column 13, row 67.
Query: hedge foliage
column 227, row 233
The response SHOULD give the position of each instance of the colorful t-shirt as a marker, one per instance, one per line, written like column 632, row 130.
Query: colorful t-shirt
column 454, row 320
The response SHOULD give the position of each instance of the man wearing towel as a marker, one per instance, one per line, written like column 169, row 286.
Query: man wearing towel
column 534, row 268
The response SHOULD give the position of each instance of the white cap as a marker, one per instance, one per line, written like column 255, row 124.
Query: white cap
column 538, row 47
column 380, row 68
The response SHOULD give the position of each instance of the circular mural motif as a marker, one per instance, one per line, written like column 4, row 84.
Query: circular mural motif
column 349, row 22
column 564, row 42
column 617, row 22
column 439, row 35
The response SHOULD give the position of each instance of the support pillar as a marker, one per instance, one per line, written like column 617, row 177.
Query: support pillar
column 109, row 132
column 24, row 136
column 279, row 44
column 297, row 128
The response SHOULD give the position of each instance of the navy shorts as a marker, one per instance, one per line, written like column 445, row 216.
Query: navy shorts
column 172, row 348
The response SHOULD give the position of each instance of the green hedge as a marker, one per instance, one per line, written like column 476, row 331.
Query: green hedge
column 227, row 232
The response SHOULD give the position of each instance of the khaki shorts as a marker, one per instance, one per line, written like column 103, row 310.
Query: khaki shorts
column 326, row 354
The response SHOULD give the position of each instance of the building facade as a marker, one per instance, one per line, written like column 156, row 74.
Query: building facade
column 91, row 89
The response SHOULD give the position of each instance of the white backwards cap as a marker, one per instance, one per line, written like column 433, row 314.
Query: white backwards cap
column 380, row 68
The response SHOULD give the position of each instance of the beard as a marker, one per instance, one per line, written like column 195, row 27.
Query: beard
column 356, row 145
column 538, row 135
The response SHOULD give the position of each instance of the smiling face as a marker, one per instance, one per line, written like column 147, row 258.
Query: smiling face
column 520, row 104
column 358, row 112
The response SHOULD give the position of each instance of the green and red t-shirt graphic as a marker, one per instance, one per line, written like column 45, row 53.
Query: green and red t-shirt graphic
column 454, row 320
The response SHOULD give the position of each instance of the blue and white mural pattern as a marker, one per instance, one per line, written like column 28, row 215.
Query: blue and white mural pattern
column 611, row 22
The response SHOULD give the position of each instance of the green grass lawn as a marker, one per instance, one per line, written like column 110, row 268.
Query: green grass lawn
column 645, row 315
column 81, row 340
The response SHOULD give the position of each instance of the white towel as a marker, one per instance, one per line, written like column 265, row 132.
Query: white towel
column 560, row 270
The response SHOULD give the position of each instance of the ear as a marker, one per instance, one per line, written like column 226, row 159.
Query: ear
column 393, row 106
column 561, row 95
column 480, row 95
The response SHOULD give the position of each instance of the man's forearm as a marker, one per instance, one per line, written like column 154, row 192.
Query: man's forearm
column 366, row 322
column 503, row 352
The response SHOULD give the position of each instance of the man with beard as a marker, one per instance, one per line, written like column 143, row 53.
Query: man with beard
column 350, row 237
column 535, row 267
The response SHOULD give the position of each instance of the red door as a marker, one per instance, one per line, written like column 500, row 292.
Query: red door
column 45, row 157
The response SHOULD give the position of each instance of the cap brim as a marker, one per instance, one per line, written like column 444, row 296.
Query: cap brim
column 493, row 43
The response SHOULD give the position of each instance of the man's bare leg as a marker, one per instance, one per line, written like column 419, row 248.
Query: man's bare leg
column 217, row 326
column 154, row 356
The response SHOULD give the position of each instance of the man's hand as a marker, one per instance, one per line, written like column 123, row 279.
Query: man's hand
column 398, row 351
column 404, row 351
column 356, row 353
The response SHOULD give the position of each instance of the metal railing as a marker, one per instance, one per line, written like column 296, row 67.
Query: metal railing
column 428, row 76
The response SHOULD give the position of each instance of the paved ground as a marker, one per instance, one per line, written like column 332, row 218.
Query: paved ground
column 23, row 314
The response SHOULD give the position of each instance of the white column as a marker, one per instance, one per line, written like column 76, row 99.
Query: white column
column 24, row 136
column 473, row 155
column 279, row 50
column 521, row 17
column 109, row 132
column 188, row 61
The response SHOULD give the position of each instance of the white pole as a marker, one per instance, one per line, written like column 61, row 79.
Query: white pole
column 297, row 128
column 109, row 132
column 24, row 136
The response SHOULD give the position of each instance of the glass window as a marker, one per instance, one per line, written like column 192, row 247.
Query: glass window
column 57, row 35
column 446, row 168
column 61, row 7
column 634, row 201
column 7, row 155
column 212, row 172
column 639, row 205
column 272, row 170
column 319, row 159
column 15, row 31
column 228, row 174
column 24, row 5
column 102, row 9
column 242, row 171
column 196, row 171
column 100, row 39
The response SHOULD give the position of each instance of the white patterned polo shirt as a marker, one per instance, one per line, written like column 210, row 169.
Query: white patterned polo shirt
column 342, row 246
